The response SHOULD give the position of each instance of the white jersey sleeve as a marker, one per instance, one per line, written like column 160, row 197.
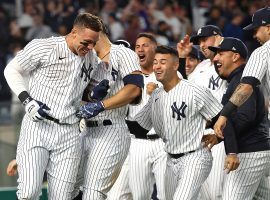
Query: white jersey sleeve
column 143, row 117
column 258, row 63
column 207, row 104
column 33, row 53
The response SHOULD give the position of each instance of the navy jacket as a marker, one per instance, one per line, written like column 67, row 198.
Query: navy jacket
column 249, row 122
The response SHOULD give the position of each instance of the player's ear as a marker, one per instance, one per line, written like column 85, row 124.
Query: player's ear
column 235, row 57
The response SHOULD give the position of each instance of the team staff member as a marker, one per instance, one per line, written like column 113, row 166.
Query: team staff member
column 179, row 120
column 107, row 141
column 59, row 70
column 249, row 122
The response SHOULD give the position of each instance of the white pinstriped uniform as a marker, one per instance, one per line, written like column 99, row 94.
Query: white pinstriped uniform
column 205, row 75
column 258, row 66
column 180, row 120
column 45, row 145
column 107, row 146
column 145, row 164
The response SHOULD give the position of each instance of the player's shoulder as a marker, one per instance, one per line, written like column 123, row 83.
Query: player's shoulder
column 262, row 50
column 192, row 86
column 44, row 43
column 121, row 50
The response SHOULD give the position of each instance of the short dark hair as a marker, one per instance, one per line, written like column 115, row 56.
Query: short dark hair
column 163, row 49
column 150, row 36
column 88, row 20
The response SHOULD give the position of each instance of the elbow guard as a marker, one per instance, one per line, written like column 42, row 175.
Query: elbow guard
column 135, row 79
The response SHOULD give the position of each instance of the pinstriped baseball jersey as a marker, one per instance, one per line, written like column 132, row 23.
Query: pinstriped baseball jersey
column 122, row 61
column 206, row 75
column 258, row 66
column 58, row 76
column 179, row 119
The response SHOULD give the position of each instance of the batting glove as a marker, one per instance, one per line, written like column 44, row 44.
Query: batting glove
column 36, row 110
column 90, row 110
column 100, row 91
column 82, row 125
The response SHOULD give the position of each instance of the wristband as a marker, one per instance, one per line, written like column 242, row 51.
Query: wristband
column 25, row 98
column 228, row 109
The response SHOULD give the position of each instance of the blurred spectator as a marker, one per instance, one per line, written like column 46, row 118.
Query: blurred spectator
column 233, row 28
column 215, row 17
column 115, row 28
column 25, row 20
column 167, row 14
column 39, row 29
column 51, row 16
column 132, row 30
column 109, row 6
column 163, row 33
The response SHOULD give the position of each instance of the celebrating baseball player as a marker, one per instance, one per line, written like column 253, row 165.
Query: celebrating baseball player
column 107, row 141
column 250, row 125
column 59, row 69
column 146, row 162
column 256, row 72
column 177, row 111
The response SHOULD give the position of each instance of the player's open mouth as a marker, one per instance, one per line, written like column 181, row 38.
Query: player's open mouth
column 141, row 57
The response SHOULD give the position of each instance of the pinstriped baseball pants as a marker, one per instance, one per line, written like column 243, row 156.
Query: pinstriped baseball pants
column 51, row 147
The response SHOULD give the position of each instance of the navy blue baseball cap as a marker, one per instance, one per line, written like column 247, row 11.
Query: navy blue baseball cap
column 260, row 18
column 195, row 53
column 231, row 44
column 205, row 31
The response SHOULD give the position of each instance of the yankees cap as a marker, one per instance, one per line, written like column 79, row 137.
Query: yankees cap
column 260, row 18
column 231, row 44
column 205, row 31
column 195, row 53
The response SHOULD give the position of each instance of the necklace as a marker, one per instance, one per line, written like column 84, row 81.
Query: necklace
column 105, row 55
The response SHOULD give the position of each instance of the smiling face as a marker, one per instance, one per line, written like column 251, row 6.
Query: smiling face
column 204, row 43
column 191, row 63
column 223, row 62
column 145, row 49
column 262, row 34
column 165, row 67
column 84, row 40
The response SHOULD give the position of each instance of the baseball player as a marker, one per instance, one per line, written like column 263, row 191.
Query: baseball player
column 107, row 141
column 252, row 76
column 177, row 111
column 250, row 124
column 59, row 69
column 146, row 162
column 205, row 75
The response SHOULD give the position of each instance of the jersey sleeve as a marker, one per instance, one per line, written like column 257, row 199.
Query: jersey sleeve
column 129, row 62
column 257, row 64
column 30, row 57
column 143, row 117
column 206, row 103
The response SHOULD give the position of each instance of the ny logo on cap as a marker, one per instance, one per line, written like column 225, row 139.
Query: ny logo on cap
column 234, row 49
column 263, row 22
column 214, row 32
column 199, row 31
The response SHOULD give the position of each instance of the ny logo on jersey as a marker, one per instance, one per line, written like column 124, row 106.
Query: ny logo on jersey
column 86, row 72
column 114, row 74
column 213, row 83
column 180, row 112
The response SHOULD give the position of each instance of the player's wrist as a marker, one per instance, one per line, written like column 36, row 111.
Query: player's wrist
column 228, row 109
column 25, row 98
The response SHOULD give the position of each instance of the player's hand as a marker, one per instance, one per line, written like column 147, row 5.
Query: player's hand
column 184, row 47
column 82, row 125
column 209, row 140
column 90, row 110
column 36, row 110
column 100, row 91
column 12, row 168
column 150, row 87
column 218, row 40
column 231, row 163
column 219, row 126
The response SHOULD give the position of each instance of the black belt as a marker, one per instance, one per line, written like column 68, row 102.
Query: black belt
column 149, row 137
column 105, row 122
column 179, row 155
column 55, row 120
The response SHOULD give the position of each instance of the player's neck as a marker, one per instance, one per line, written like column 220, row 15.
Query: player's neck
column 171, row 83
column 147, row 70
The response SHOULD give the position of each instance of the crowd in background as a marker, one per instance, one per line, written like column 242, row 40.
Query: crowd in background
column 170, row 20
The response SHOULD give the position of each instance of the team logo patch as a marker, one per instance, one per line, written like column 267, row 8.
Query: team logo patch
column 213, row 83
column 180, row 112
column 114, row 74
column 199, row 31
column 85, row 72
